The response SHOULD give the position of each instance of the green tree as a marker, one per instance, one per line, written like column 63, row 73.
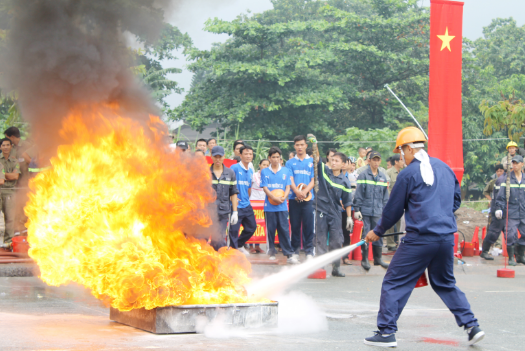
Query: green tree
column 309, row 64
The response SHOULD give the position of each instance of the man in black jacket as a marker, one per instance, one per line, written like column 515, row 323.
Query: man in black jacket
column 370, row 197
column 225, row 185
column 516, row 210
column 334, row 190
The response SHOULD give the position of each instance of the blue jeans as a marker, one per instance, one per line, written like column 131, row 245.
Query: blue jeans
column 247, row 219
column 302, row 217
column 413, row 256
column 278, row 221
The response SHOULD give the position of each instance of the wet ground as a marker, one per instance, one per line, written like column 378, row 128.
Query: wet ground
column 331, row 314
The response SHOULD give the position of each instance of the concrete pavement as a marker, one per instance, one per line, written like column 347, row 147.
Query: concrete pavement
column 34, row 316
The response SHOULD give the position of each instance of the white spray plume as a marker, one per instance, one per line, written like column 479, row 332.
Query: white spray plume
column 276, row 283
column 298, row 314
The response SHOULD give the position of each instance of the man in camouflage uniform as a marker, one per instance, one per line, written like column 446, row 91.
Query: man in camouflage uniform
column 397, row 164
column 11, row 172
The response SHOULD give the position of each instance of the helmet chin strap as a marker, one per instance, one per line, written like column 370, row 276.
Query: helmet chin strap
column 402, row 154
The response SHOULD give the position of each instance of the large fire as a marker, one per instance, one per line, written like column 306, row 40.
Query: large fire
column 113, row 214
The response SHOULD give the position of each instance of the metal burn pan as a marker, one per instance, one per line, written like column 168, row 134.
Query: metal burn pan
column 184, row 319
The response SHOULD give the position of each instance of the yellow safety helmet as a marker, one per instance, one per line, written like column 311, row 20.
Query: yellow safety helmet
column 409, row 135
column 512, row 143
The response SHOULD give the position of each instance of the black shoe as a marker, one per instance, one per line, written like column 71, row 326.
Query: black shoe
column 364, row 259
column 510, row 251
column 378, row 256
column 382, row 341
column 336, row 272
column 392, row 248
column 486, row 256
column 474, row 335
column 520, row 254
column 485, row 251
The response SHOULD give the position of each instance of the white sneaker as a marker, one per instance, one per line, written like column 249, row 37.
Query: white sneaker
column 309, row 257
column 293, row 260
column 296, row 256
column 244, row 251
column 272, row 258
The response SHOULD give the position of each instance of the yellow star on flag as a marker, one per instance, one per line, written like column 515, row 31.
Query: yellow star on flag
column 446, row 40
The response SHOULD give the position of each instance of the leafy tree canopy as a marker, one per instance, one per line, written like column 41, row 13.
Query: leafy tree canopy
column 310, row 64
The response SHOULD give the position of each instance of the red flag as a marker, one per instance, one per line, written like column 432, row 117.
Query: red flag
column 445, row 136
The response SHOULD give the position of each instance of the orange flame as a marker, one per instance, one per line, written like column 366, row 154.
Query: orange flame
column 113, row 214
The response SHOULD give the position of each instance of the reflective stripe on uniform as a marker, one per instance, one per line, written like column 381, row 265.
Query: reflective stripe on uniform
column 371, row 182
column 513, row 185
column 224, row 182
column 334, row 184
column 36, row 170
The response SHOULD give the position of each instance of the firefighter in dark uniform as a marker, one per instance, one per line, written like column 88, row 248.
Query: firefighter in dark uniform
column 371, row 196
column 496, row 226
column 516, row 210
column 428, row 192
column 225, row 185
column 334, row 189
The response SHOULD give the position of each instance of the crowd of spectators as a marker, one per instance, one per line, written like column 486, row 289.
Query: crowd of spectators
column 289, row 213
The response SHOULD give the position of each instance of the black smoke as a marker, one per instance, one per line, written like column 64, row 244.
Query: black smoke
column 65, row 54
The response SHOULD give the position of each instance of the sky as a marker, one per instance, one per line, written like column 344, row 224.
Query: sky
column 190, row 17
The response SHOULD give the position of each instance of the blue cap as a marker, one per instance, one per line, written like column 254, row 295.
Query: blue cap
column 517, row 158
column 217, row 150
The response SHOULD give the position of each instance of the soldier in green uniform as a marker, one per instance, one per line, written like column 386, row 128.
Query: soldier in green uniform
column 11, row 173
column 397, row 164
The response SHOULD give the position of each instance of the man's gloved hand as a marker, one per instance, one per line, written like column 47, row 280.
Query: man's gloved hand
column 235, row 218
column 358, row 216
column 499, row 214
column 349, row 224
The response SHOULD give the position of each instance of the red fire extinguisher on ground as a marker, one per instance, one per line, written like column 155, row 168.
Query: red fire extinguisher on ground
column 356, row 236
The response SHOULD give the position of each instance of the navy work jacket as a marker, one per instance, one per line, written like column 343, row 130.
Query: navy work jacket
column 516, row 199
column 429, row 210
column 371, row 195
column 332, row 190
column 224, row 187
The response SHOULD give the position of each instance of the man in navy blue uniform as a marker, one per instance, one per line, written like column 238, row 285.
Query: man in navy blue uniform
column 273, row 178
column 301, row 208
column 334, row 190
column 371, row 195
column 225, row 185
column 429, row 193
column 515, row 210
column 496, row 226
column 244, row 175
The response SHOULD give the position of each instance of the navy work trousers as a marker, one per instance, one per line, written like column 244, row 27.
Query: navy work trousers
column 370, row 223
column 514, row 226
column 219, row 239
column 495, row 228
column 247, row 219
column 302, row 215
column 414, row 255
column 278, row 221
column 329, row 233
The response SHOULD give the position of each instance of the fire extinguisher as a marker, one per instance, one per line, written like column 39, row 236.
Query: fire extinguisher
column 356, row 236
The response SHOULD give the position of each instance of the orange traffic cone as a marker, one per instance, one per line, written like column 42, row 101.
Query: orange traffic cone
column 422, row 281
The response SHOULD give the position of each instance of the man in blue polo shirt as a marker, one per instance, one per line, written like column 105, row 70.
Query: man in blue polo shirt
column 273, row 178
column 244, row 175
column 301, row 208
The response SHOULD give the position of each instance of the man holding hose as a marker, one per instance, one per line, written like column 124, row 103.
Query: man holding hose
column 429, row 193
